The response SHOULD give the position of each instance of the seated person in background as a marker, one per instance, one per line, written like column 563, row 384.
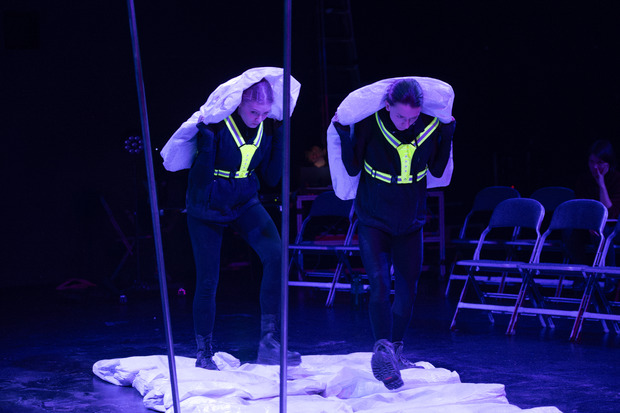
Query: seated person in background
column 316, row 156
column 601, row 183
column 315, row 173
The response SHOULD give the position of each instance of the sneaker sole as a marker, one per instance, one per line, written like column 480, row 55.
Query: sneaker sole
column 385, row 371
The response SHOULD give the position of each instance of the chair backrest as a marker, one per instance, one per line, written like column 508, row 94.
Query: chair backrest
column 327, row 206
column 586, row 214
column 552, row 196
column 486, row 200
column 515, row 213
column 577, row 214
column 518, row 212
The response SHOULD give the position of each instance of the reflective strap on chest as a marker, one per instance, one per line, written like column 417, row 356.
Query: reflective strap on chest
column 405, row 154
column 247, row 150
column 392, row 179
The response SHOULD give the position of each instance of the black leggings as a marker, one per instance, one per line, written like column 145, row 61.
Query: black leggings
column 380, row 251
column 258, row 229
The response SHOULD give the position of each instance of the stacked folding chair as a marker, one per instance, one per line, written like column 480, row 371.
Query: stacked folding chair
column 549, row 268
column 605, row 275
column 515, row 223
column 476, row 219
column 324, row 237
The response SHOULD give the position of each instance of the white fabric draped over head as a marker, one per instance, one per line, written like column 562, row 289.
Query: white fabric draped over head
column 180, row 150
column 363, row 102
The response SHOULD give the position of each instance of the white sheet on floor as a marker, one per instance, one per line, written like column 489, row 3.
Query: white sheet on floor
column 322, row 383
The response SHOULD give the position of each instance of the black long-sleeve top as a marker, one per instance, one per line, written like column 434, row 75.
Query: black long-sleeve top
column 218, row 199
column 392, row 207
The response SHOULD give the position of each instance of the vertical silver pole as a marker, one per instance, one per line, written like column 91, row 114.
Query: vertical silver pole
column 325, row 119
column 153, row 200
column 286, row 183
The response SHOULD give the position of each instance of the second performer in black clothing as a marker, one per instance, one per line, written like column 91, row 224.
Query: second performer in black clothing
column 395, row 149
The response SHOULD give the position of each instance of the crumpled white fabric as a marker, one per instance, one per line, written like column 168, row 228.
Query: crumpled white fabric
column 180, row 150
column 322, row 383
column 363, row 102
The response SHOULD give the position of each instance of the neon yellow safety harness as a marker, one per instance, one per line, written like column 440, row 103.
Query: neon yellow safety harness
column 247, row 150
column 405, row 153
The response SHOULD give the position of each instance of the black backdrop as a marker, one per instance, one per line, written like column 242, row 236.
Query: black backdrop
column 535, row 83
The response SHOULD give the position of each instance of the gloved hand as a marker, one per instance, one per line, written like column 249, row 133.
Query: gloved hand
column 447, row 129
column 343, row 130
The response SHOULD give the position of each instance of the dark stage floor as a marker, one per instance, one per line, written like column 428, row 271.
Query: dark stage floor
column 51, row 339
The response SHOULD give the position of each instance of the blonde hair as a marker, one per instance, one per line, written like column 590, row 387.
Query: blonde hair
column 259, row 92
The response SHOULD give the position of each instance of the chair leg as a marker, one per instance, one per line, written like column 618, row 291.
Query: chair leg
column 294, row 262
column 606, row 307
column 558, row 289
column 520, row 297
column 463, row 291
column 448, row 284
column 470, row 279
column 480, row 295
column 596, row 287
column 332, row 291
column 452, row 266
column 539, row 301
column 502, row 283
column 605, row 303
column 583, row 306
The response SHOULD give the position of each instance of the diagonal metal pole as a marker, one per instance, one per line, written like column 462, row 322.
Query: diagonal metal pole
column 286, row 183
column 153, row 201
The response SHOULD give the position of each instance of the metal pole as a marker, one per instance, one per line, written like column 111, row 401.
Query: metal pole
column 153, row 200
column 286, row 183
column 325, row 119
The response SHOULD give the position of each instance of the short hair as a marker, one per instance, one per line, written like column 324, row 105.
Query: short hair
column 406, row 91
column 260, row 92
column 603, row 150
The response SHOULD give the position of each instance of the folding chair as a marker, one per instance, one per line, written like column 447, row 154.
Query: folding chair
column 475, row 221
column 551, row 268
column 328, row 226
column 511, row 219
column 355, row 283
column 593, row 290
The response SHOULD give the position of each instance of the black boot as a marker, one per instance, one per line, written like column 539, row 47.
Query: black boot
column 204, row 355
column 269, row 345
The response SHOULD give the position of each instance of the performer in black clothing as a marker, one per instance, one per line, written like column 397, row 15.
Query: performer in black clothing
column 222, row 191
column 395, row 149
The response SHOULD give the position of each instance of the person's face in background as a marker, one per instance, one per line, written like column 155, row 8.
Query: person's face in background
column 253, row 113
column 597, row 166
column 402, row 115
column 316, row 156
